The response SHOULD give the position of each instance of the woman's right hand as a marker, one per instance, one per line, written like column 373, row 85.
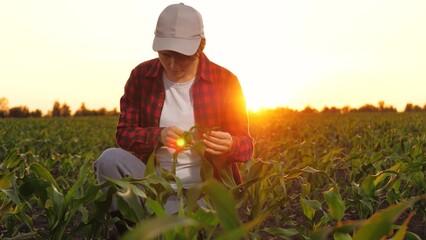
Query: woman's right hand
column 169, row 136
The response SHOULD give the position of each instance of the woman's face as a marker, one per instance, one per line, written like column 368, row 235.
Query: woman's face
column 178, row 67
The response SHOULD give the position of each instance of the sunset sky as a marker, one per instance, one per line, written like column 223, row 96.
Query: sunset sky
column 285, row 53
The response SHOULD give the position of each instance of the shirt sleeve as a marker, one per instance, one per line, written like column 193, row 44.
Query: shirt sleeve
column 235, row 121
column 130, row 134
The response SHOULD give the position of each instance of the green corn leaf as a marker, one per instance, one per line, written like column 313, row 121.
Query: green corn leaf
column 124, row 184
column 224, row 204
column 78, row 184
column 400, row 234
column 239, row 191
column 130, row 205
column 310, row 170
column 412, row 236
column 174, row 162
column 84, row 214
column 91, row 193
column 152, row 228
column 102, row 203
column 206, row 170
column 306, row 189
column 187, row 136
column 150, row 166
column 192, row 196
column 240, row 232
column 347, row 227
column 126, row 210
column 21, row 236
column 6, row 181
column 335, row 203
column 285, row 233
column 12, row 161
column 160, row 212
column 48, row 203
column 43, row 173
column 341, row 236
column 168, row 175
column 309, row 207
column 294, row 173
column 255, row 170
column 152, row 180
column 382, row 175
column 155, row 207
column 12, row 195
column 206, row 218
column 58, row 208
column 5, row 206
column 380, row 223
column 368, row 186
column 227, row 177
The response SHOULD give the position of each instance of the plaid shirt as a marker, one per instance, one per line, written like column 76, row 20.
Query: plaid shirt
column 218, row 102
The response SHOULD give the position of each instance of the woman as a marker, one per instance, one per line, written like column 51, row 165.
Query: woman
column 166, row 96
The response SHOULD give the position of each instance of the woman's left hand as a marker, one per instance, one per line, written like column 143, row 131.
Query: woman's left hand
column 217, row 142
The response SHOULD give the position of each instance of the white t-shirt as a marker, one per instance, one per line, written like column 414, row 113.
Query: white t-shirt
column 178, row 111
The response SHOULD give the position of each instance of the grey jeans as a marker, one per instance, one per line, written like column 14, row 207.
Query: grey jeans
column 117, row 163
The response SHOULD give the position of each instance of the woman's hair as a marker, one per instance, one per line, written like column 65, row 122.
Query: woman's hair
column 200, row 48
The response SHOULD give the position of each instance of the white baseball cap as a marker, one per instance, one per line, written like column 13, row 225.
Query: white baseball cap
column 180, row 29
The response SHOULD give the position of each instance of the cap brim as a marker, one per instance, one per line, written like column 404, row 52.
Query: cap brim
column 181, row 45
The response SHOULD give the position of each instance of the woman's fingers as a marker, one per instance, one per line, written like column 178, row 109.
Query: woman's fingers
column 169, row 135
column 217, row 142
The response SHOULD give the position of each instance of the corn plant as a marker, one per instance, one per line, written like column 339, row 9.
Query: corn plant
column 313, row 176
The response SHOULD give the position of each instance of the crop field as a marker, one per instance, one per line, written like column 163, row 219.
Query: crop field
column 313, row 176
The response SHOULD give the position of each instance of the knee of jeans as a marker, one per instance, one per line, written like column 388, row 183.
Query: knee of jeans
column 106, row 161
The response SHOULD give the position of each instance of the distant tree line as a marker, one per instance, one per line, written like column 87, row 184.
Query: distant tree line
column 58, row 110
column 381, row 107
column 63, row 110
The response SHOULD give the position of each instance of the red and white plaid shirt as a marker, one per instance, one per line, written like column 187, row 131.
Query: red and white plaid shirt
column 218, row 103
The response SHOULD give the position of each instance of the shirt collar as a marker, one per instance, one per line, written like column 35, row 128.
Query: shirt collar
column 155, row 69
column 203, row 68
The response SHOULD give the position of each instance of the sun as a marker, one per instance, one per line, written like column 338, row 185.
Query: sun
column 256, row 102
column 255, row 106
column 288, row 91
column 256, row 99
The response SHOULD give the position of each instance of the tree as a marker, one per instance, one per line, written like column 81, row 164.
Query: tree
column 60, row 111
column 330, row 110
column 384, row 108
column 82, row 111
column 101, row 112
column 65, row 110
column 309, row 109
column 56, row 111
column 4, row 107
column 36, row 113
column 408, row 107
column 345, row 109
column 381, row 105
column 368, row 108
column 114, row 112
column 417, row 108
column 19, row 112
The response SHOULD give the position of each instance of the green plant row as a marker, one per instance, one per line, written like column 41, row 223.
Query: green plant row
column 313, row 176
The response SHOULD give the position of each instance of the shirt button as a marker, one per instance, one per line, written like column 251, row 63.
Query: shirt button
column 160, row 104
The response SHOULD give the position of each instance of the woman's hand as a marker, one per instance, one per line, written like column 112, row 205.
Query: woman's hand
column 170, row 135
column 217, row 142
